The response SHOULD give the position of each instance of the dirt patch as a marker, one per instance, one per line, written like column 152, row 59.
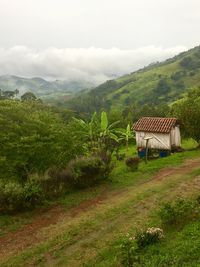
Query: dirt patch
column 87, row 204
column 27, row 236
column 187, row 167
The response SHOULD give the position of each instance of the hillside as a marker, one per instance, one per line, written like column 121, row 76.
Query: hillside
column 47, row 90
column 158, row 83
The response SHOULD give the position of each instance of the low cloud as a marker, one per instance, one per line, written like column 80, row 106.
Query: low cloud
column 90, row 64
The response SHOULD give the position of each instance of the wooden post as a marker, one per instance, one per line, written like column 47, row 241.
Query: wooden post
column 146, row 151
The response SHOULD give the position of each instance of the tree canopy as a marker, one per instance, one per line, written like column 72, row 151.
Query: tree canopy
column 188, row 111
column 33, row 138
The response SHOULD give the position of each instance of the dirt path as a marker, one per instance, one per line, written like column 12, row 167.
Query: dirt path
column 94, row 243
column 29, row 234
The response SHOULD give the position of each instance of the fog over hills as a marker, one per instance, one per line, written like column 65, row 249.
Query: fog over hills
column 91, row 64
column 42, row 88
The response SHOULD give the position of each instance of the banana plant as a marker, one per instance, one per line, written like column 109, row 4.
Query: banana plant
column 90, row 129
column 108, row 131
column 126, row 134
column 100, row 134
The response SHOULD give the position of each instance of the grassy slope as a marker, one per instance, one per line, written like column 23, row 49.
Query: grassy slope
column 180, row 248
column 131, row 201
column 140, row 85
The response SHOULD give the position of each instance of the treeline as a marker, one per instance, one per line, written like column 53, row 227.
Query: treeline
column 9, row 94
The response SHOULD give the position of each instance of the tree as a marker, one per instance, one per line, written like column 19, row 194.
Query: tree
column 188, row 111
column 28, row 96
column 33, row 138
column 8, row 94
column 162, row 87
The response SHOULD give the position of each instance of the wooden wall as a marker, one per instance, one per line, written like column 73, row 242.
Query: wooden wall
column 159, row 140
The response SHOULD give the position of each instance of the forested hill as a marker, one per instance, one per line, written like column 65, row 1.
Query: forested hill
column 47, row 90
column 156, row 84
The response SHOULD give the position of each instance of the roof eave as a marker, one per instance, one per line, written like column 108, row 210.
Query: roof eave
column 152, row 131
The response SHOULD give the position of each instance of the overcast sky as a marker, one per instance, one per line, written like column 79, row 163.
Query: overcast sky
column 75, row 39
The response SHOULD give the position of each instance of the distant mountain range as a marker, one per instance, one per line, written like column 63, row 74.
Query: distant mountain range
column 157, row 83
column 47, row 90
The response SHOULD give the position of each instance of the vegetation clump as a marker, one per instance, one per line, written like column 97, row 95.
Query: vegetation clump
column 132, row 163
column 84, row 171
column 131, row 246
column 189, row 105
column 142, row 248
column 150, row 236
column 177, row 212
column 16, row 197
column 128, row 251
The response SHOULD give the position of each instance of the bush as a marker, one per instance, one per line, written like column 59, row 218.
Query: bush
column 177, row 211
column 128, row 251
column 55, row 183
column 79, row 173
column 133, row 163
column 33, row 194
column 150, row 236
column 106, row 158
column 84, row 171
column 15, row 197
column 120, row 156
column 11, row 196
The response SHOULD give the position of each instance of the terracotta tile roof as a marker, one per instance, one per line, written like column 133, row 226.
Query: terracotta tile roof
column 155, row 124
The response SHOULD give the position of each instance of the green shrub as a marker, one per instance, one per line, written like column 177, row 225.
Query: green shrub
column 15, row 197
column 54, row 184
column 120, row 156
column 150, row 236
column 11, row 196
column 84, row 172
column 132, row 163
column 128, row 251
column 106, row 158
column 80, row 173
column 33, row 194
column 130, row 246
column 177, row 211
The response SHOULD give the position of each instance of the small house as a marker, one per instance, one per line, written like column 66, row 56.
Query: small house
column 157, row 133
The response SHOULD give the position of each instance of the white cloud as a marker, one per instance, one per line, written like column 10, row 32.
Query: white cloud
column 92, row 64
